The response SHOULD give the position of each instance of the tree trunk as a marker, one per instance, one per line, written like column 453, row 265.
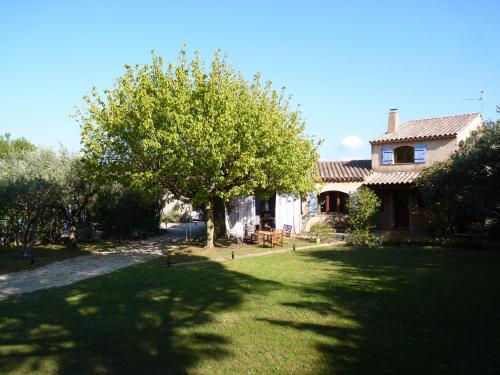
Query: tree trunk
column 72, row 235
column 209, row 213
column 220, row 219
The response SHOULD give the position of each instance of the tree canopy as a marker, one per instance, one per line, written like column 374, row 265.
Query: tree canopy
column 464, row 189
column 199, row 133
column 14, row 147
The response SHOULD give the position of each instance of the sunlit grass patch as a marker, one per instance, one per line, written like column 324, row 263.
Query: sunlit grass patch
column 402, row 310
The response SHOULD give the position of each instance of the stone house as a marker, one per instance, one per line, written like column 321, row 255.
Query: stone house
column 397, row 158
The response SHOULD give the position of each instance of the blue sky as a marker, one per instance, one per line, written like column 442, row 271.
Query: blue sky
column 346, row 63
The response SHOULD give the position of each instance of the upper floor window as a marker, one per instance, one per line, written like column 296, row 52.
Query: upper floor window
column 404, row 154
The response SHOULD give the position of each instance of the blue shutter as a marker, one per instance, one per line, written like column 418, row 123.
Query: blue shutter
column 386, row 155
column 420, row 153
column 313, row 204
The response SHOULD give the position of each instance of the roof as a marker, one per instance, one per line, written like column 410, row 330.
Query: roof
column 344, row 171
column 431, row 128
column 391, row 178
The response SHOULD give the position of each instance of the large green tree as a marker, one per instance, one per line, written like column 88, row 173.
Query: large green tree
column 201, row 133
column 464, row 189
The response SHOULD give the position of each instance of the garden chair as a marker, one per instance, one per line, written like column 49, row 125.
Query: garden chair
column 287, row 230
column 250, row 234
column 277, row 237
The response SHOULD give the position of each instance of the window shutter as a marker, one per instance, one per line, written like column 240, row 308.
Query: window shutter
column 386, row 155
column 420, row 153
column 313, row 205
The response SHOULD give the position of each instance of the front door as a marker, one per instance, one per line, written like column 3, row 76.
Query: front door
column 401, row 208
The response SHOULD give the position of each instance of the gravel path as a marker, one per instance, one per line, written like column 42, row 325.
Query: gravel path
column 72, row 270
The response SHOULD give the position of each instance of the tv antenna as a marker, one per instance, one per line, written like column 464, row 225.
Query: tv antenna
column 481, row 99
column 498, row 108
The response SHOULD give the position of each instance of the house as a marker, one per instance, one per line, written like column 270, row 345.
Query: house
column 397, row 159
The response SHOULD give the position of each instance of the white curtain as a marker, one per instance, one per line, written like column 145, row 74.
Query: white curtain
column 287, row 212
column 241, row 211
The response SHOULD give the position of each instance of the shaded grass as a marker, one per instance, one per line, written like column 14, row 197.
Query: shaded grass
column 11, row 259
column 192, row 251
column 404, row 310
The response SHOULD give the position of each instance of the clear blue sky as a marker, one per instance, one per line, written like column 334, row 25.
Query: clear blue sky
column 345, row 62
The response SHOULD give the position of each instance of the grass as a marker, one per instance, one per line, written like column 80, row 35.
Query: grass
column 11, row 259
column 388, row 310
column 193, row 251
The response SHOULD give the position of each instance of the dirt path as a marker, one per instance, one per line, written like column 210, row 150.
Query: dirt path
column 72, row 270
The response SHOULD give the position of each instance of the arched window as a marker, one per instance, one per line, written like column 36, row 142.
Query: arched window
column 404, row 154
column 333, row 201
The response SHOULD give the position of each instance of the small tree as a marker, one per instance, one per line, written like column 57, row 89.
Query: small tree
column 362, row 206
column 30, row 192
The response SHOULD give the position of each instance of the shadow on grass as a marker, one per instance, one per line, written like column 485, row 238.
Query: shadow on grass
column 146, row 320
column 414, row 311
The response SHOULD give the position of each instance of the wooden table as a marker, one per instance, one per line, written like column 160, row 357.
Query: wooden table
column 265, row 235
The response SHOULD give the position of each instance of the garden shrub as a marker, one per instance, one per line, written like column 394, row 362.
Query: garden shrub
column 321, row 229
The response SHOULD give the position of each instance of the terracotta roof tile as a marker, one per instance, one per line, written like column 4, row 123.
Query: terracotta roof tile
column 344, row 171
column 439, row 127
column 391, row 178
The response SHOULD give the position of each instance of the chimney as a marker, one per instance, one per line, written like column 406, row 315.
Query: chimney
column 393, row 123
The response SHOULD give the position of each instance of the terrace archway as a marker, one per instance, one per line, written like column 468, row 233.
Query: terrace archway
column 333, row 201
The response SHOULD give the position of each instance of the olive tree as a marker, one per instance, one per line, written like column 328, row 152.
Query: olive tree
column 200, row 133
column 30, row 192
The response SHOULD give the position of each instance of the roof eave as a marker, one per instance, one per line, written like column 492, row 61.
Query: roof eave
column 388, row 183
column 359, row 179
column 413, row 139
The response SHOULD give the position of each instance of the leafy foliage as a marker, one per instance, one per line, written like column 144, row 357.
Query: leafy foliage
column 201, row 134
column 31, row 188
column 463, row 191
column 363, row 205
column 14, row 147
column 125, row 212
column 44, row 194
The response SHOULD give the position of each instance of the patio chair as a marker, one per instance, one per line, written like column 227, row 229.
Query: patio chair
column 287, row 230
column 277, row 237
column 250, row 234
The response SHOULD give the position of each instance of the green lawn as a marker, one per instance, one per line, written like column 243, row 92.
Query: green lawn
column 403, row 310
column 11, row 259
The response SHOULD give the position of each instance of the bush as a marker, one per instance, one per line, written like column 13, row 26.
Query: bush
column 124, row 212
column 321, row 229
column 362, row 237
column 172, row 216
column 338, row 221
column 176, row 215
column 362, row 206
